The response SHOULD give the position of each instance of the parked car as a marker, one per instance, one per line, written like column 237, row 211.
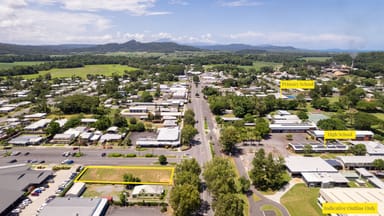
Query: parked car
column 26, row 153
column 75, row 148
column 43, row 161
column 15, row 153
column 66, row 154
column 67, row 161
column 12, row 161
column 103, row 154
column 35, row 193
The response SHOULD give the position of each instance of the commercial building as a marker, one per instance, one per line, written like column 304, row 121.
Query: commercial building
column 360, row 135
column 15, row 181
column 319, row 147
column 76, row 190
column 374, row 148
column 42, row 123
column 63, row 138
column 165, row 137
column 292, row 127
column 147, row 190
column 352, row 195
column 297, row 165
column 75, row 206
column 324, row 179
column 25, row 140
column 351, row 162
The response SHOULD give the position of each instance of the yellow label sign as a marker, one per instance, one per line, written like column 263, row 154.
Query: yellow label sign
column 350, row 208
column 297, row 84
column 340, row 134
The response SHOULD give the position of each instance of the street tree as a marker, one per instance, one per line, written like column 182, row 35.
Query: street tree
column 229, row 136
column 220, row 176
column 187, row 134
column 162, row 159
column 185, row 200
column 228, row 204
column 245, row 184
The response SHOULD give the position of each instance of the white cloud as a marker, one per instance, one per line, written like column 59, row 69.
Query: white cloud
column 19, row 24
column 240, row 3
column 134, row 7
column 292, row 38
column 178, row 2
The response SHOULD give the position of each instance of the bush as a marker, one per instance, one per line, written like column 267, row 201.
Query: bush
column 115, row 154
column 149, row 155
column 131, row 155
column 56, row 168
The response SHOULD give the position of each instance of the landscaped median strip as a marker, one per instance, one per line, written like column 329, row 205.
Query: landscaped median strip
column 139, row 170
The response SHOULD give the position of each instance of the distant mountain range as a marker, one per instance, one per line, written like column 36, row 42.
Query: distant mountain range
column 130, row 46
column 162, row 46
column 242, row 47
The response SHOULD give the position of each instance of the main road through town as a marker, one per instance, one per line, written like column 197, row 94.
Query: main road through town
column 92, row 156
column 213, row 132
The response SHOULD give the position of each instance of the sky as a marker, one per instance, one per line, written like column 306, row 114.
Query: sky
column 310, row 24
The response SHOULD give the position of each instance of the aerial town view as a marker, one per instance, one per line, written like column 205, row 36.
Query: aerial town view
column 191, row 108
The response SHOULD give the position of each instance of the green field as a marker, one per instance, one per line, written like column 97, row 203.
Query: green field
column 319, row 59
column 4, row 66
column 379, row 115
column 106, row 70
column 257, row 65
column 301, row 200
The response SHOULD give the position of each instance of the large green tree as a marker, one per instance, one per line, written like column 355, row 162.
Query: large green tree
column 228, row 204
column 187, row 134
column 228, row 138
column 267, row 172
column 185, row 200
column 220, row 176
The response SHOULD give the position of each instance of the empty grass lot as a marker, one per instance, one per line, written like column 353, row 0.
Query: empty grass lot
column 106, row 70
column 257, row 65
column 114, row 174
column 301, row 200
column 4, row 65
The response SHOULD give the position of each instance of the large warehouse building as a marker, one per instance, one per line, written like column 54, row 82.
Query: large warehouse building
column 353, row 195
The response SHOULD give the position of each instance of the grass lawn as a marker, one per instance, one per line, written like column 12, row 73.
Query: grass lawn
column 319, row 59
column 114, row 174
column 10, row 65
column 333, row 99
column 301, row 200
column 272, row 208
column 379, row 115
column 246, row 204
column 107, row 70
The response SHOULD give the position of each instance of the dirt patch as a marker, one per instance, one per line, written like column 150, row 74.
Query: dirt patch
column 100, row 190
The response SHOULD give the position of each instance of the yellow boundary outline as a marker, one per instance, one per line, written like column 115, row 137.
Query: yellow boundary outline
column 170, row 182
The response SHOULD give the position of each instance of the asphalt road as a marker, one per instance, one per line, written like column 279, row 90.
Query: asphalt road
column 201, row 150
column 92, row 156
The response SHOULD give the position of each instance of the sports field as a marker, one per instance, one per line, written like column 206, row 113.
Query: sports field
column 4, row 65
column 106, row 70
column 114, row 174
column 319, row 59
